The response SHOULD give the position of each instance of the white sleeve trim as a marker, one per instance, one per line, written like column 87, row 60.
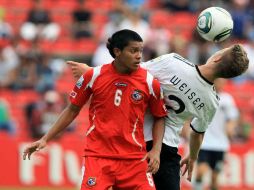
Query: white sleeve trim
column 149, row 80
column 96, row 73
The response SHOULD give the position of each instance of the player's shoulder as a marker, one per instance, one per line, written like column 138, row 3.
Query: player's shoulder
column 158, row 62
column 169, row 56
column 104, row 67
column 169, row 59
column 225, row 96
column 95, row 72
column 163, row 57
column 145, row 73
column 142, row 70
column 100, row 69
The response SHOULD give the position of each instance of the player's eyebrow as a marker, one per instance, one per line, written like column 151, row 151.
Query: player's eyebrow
column 136, row 48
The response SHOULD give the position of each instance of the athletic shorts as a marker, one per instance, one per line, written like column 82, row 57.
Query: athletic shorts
column 214, row 159
column 102, row 173
column 168, row 175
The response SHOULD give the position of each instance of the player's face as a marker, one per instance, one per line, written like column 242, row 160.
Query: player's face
column 222, row 52
column 130, row 56
column 216, row 57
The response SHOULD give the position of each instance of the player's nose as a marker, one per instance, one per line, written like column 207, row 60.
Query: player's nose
column 139, row 55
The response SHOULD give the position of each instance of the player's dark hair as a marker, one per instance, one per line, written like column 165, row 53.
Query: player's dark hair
column 234, row 63
column 121, row 39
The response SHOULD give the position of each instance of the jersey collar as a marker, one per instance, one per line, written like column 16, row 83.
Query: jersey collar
column 123, row 74
column 202, row 76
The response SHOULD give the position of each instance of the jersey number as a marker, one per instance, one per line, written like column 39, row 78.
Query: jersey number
column 118, row 97
column 180, row 103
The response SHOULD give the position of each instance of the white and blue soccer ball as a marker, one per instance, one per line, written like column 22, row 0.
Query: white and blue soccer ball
column 215, row 24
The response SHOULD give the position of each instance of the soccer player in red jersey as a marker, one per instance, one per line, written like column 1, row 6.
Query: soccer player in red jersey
column 120, row 93
column 181, row 80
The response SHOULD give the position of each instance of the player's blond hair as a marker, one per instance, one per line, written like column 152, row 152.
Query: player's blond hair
column 234, row 62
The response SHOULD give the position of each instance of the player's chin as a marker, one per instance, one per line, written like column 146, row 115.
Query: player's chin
column 135, row 66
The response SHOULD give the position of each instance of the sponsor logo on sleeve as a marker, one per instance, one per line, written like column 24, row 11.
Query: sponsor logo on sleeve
column 73, row 94
column 80, row 82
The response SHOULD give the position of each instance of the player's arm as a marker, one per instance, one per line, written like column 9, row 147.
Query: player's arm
column 232, row 114
column 78, row 69
column 158, row 110
column 78, row 97
column 154, row 154
column 63, row 121
column 158, row 133
column 198, row 127
column 230, row 128
column 195, row 141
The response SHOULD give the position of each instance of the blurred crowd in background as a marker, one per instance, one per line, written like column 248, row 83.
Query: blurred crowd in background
column 38, row 36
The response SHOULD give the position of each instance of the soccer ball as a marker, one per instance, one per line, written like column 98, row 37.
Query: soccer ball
column 215, row 24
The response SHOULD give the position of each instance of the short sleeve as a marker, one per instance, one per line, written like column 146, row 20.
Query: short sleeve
column 81, row 92
column 198, row 125
column 156, row 101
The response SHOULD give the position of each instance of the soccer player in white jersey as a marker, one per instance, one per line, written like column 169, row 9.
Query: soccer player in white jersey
column 189, row 93
column 217, row 138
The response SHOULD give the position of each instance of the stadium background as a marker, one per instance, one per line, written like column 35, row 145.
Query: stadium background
column 165, row 26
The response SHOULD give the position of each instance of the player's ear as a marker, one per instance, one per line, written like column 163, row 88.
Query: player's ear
column 117, row 51
column 217, row 57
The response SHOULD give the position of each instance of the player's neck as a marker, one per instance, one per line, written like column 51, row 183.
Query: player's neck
column 121, row 69
column 207, row 73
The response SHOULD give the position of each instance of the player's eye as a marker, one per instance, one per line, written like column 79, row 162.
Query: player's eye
column 136, row 50
column 133, row 50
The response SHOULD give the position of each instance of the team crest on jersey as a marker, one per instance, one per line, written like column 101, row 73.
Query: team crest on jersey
column 79, row 82
column 73, row 94
column 137, row 96
column 120, row 84
column 91, row 181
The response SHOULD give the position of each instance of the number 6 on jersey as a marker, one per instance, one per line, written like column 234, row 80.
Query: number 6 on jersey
column 118, row 99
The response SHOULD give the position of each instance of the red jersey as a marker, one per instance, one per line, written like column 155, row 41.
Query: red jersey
column 117, row 108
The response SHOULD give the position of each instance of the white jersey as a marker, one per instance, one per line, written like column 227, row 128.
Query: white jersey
column 216, row 137
column 187, row 95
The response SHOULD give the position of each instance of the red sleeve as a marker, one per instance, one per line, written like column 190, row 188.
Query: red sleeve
column 156, row 103
column 81, row 91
